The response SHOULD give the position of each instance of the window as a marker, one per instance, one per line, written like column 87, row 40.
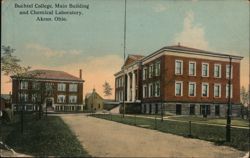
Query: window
column 121, row 95
column 157, row 89
column 23, row 97
column 178, row 67
column 150, row 90
column 217, row 70
column 150, row 71
column 145, row 91
column 205, row 70
column 205, row 89
column 192, row 89
column 61, row 98
column 145, row 74
column 205, row 110
column 157, row 68
column 39, row 98
column 217, row 110
column 227, row 91
column 36, row 85
column 72, row 99
column 61, row 87
column 117, row 82
column 192, row 109
column 192, row 68
column 178, row 88
column 24, row 85
column 217, row 90
column 34, row 98
column 121, row 82
column 227, row 71
column 73, row 87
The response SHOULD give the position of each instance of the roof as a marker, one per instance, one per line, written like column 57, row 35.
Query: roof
column 180, row 48
column 184, row 48
column 132, row 58
column 88, row 95
column 52, row 75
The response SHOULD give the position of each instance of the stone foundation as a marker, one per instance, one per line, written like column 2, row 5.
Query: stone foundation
column 199, row 109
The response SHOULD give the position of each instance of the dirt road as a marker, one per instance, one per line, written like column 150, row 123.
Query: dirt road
column 102, row 138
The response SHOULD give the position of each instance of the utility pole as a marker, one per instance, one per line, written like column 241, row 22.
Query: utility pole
column 229, row 106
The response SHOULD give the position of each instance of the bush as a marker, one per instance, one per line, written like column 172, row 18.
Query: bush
column 131, row 108
column 7, row 115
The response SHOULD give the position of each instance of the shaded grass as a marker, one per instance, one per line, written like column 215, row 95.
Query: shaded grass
column 46, row 137
column 221, row 121
column 216, row 134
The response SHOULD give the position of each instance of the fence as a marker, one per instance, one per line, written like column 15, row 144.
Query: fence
column 214, row 133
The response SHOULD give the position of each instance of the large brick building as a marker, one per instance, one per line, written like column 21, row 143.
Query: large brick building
column 56, row 90
column 180, row 80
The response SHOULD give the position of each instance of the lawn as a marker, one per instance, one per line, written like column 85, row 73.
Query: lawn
column 201, row 131
column 221, row 121
column 49, row 136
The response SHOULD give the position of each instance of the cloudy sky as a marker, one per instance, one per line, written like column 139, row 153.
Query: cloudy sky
column 94, row 41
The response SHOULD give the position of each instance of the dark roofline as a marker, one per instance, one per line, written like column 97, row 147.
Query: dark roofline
column 35, row 78
column 200, row 52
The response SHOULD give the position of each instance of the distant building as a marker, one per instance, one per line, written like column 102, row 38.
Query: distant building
column 179, row 80
column 93, row 101
column 56, row 90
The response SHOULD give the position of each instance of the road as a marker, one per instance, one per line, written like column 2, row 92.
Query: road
column 102, row 138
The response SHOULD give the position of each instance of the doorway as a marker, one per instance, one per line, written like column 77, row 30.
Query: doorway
column 205, row 110
column 178, row 109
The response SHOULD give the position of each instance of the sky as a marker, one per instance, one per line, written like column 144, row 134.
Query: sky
column 94, row 41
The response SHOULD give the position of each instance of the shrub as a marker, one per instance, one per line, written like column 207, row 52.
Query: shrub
column 7, row 115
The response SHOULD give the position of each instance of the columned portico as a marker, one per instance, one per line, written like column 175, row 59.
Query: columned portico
column 131, row 82
column 128, row 87
column 133, row 86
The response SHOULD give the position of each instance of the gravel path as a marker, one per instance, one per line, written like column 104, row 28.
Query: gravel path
column 102, row 138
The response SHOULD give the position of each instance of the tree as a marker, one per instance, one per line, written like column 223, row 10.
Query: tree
column 10, row 66
column 244, row 96
column 107, row 90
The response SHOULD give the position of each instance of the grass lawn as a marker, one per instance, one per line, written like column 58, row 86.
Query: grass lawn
column 46, row 137
column 201, row 131
column 222, row 121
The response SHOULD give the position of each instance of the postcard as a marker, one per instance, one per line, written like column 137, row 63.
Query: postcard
column 125, row 78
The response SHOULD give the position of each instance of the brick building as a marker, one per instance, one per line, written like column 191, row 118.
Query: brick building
column 182, row 80
column 56, row 90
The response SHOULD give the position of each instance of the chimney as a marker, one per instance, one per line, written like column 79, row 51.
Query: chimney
column 80, row 74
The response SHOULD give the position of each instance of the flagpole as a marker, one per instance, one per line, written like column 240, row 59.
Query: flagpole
column 124, row 56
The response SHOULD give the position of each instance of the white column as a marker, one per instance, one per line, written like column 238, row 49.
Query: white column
column 133, row 86
column 128, row 87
